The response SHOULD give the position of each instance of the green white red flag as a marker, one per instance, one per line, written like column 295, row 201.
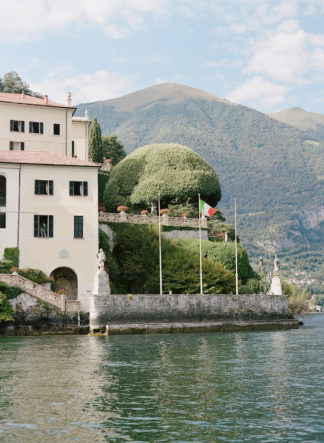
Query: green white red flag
column 205, row 209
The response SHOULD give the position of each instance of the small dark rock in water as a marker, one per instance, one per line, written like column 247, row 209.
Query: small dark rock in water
column 301, row 323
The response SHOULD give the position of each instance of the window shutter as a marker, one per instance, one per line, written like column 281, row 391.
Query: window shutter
column 22, row 126
column 11, row 146
column 36, row 225
column 71, row 188
column 11, row 125
column 78, row 226
column 41, row 126
column 72, row 148
column 30, row 127
column 22, row 146
column 51, row 187
column 85, row 188
column 36, row 186
column 50, row 222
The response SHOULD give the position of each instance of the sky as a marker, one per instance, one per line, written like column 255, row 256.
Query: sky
column 265, row 54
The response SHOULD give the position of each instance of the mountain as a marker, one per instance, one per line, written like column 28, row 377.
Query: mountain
column 275, row 170
column 301, row 119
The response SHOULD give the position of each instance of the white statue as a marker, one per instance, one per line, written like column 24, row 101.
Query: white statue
column 276, row 267
column 276, row 287
column 101, row 259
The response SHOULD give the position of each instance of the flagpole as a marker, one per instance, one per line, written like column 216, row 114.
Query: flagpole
column 236, row 267
column 160, row 248
column 200, row 255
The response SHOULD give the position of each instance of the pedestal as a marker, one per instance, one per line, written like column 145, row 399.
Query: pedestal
column 101, row 284
column 276, row 288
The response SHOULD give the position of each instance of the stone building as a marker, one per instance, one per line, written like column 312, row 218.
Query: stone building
column 49, row 191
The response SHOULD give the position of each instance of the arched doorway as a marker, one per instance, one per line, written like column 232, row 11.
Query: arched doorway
column 66, row 278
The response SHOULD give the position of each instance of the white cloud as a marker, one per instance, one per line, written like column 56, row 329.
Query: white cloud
column 318, row 59
column 259, row 93
column 20, row 21
column 101, row 85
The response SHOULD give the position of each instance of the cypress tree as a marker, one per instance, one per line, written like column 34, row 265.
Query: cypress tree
column 95, row 142
column 113, row 149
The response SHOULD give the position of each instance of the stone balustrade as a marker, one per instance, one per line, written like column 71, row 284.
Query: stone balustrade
column 166, row 220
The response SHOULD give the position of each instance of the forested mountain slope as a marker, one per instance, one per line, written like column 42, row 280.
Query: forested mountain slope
column 275, row 170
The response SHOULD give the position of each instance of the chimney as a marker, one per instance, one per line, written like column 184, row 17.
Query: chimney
column 46, row 99
column 23, row 94
column 69, row 99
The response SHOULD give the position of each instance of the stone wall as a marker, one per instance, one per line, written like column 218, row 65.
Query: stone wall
column 151, row 219
column 192, row 234
column 148, row 308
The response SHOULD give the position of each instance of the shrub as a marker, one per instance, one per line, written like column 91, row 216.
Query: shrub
column 35, row 275
column 176, row 171
column 6, row 310
column 5, row 266
column 12, row 254
column 10, row 291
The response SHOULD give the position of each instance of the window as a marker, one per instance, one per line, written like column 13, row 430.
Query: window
column 17, row 126
column 2, row 220
column 36, row 127
column 3, row 190
column 78, row 226
column 56, row 129
column 43, row 225
column 17, row 146
column 44, row 187
column 79, row 188
column 73, row 149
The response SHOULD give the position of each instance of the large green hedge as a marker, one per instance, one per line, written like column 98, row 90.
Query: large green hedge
column 224, row 254
column 10, row 291
column 176, row 171
column 12, row 254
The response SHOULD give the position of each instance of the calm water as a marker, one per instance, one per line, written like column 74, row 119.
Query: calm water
column 265, row 386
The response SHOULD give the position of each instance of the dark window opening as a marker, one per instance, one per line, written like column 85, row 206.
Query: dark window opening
column 78, row 226
column 73, row 149
column 2, row 220
column 43, row 226
column 3, row 190
column 44, row 187
column 17, row 126
column 57, row 129
column 79, row 188
column 36, row 127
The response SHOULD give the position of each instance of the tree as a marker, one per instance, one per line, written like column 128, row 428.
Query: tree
column 95, row 142
column 176, row 171
column 12, row 83
column 6, row 309
column 113, row 149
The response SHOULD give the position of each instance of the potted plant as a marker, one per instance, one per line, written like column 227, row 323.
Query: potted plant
column 165, row 211
column 122, row 208
column 144, row 212
column 14, row 270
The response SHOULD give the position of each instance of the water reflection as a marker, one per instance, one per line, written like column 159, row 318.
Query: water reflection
column 213, row 387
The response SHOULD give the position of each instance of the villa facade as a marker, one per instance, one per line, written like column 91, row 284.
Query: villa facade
column 49, row 192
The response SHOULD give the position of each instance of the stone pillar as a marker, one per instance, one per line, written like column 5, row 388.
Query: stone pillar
column 276, row 287
column 101, row 288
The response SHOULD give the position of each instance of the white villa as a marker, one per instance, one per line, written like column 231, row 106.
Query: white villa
column 49, row 191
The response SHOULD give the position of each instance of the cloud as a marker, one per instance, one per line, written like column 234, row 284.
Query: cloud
column 257, row 92
column 21, row 22
column 100, row 85
column 318, row 59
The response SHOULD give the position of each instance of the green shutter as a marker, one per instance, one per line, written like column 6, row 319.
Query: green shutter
column 51, row 187
column 22, row 146
column 36, row 226
column 30, row 127
column 22, row 126
column 71, row 188
column 11, row 125
column 36, row 187
column 85, row 188
column 11, row 146
column 41, row 127
column 50, row 222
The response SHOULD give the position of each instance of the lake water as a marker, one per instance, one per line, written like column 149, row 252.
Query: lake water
column 233, row 387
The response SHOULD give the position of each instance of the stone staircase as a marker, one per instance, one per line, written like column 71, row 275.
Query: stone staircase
column 40, row 293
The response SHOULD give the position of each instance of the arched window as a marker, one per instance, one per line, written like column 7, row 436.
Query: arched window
column 3, row 198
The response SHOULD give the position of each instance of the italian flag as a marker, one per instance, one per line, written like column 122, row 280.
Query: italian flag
column 206, row 209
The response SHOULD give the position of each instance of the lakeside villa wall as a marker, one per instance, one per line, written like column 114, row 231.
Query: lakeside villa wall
column 136, row 311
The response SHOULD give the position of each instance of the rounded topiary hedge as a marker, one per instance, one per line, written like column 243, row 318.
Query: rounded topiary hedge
column 176, row 171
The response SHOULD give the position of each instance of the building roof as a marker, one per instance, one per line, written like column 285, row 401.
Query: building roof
column 28, row 100
column 43, row 158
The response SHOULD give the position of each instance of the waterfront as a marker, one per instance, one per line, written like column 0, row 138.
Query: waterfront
column 239, row 386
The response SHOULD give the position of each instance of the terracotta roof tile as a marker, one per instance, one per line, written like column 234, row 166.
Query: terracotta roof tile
column 42, row 158
column 28, row 100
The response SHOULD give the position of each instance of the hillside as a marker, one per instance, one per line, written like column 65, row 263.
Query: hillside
column 301, row 119
column 275, row 170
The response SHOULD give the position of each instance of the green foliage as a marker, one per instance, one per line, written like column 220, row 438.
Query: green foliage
column 5, row 266
column 10, row 291
column 186, row 207
column 137, row 253
column 12, row 83
column 102, row 181
column 111, row 262
column 13, row 255
column 175, row 171
column 44, row 310
column 219, row 227
column 222, row 253
column 6, row 309
column 95, row 142
column 297, row 298
column 113, row 149
column 35, row 275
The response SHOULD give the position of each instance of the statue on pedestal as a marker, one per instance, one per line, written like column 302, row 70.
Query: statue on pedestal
column 276, row 287
column 101, row 281
column 101, row 256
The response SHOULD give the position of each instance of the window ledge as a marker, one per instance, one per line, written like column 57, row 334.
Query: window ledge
column 78, row 238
